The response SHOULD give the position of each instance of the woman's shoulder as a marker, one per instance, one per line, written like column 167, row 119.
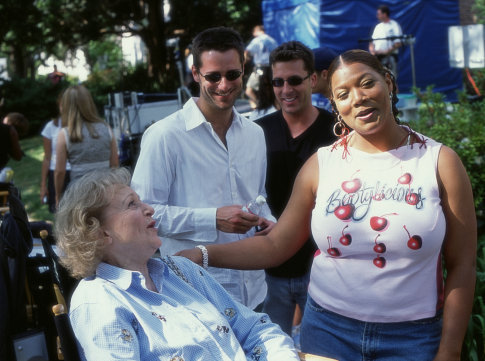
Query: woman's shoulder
column 92, row 290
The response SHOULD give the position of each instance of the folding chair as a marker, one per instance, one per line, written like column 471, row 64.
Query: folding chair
column 62, row 285
column 66, row 341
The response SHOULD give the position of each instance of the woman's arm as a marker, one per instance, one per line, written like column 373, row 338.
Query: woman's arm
column 45, row 168
column 61, row 160
column 284, row 240
column 460, row 246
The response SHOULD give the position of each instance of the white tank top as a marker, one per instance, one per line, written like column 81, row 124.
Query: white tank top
column 379, row 227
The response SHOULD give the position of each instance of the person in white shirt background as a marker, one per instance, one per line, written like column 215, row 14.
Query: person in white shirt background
column 387, row 37
column 49, row 137
column 198, row 167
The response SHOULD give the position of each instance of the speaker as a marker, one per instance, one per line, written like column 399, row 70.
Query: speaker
column 30, row 346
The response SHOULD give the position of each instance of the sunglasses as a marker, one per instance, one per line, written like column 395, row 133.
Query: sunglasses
column 293, row 80
column 216, row 77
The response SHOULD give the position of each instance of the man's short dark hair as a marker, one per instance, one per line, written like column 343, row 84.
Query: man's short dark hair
column 384, row 9
column 293, row 50
column 220, row 39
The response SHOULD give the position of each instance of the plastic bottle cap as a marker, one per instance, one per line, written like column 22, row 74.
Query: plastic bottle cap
column 260, row 200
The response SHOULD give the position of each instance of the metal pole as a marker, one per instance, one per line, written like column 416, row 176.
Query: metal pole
column 411, row 41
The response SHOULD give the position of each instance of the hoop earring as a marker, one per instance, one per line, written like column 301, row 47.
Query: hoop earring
column 339, row 129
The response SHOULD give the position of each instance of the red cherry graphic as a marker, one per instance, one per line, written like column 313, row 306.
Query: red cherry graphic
column 379, row 247
column 345, row 211
column 412, row 198
column 415, row 242
column 378, row 196
column 405, row 178
column 346, row 238
column 317, row 253
column 332, row 251
column 380, row 223
column 352, row 186
column 379, row 261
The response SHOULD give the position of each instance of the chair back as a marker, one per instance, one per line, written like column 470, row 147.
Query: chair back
column 67, row 347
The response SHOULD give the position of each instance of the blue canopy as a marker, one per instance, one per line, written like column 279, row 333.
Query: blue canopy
column 346, row 24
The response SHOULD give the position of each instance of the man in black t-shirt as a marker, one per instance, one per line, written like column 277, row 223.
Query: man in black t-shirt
column 292, row 135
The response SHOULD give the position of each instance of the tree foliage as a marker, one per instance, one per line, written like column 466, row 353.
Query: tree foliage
column 52, row 27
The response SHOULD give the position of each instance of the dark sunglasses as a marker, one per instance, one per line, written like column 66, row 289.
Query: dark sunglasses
column 293, row 80
column 216, row 77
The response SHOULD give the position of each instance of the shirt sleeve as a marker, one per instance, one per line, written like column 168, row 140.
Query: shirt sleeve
column 105, row 332
column 258, row 336
column 47, row 131
column 153, row 177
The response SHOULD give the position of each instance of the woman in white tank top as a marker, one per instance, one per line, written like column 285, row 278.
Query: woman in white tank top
column 385, row 205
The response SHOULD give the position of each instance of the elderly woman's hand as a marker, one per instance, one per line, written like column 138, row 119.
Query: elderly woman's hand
column 194, row 254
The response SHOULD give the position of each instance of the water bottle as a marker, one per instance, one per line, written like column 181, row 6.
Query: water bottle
column 255, row 206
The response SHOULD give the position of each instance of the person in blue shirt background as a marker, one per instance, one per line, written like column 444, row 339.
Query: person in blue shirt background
column 321, row 91
column 130, row 305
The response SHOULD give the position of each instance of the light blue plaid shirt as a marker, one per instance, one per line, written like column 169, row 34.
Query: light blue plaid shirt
column 115, row 317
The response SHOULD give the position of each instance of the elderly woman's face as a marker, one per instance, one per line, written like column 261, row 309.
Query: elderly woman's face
column 128, row 225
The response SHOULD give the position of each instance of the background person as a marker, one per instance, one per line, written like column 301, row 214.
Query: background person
column 56, row 76
column 86, row 140
column 321, row 91
column 9, row 144
column 385, row 204
column 258, row 51
column 19, row 122
column 47, row 189
column 130, row 306
column 386, row 46
column 266, row 101
column 200, row 165
column 292, row 135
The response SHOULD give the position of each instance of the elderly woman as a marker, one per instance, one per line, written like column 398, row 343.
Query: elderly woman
column 132, row 306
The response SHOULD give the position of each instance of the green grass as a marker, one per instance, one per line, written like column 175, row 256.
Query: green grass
column 27, row 178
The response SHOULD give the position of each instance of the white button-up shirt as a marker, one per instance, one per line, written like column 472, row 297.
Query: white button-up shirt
column 185, row 173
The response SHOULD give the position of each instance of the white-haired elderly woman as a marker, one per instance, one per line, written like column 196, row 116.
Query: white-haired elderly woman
column 131, row 306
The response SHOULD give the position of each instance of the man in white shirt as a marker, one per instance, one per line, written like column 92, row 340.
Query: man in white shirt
column 198, row 167
column 387, row 37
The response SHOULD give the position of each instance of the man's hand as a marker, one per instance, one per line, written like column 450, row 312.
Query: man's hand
column 194, row 254
column 232, row 219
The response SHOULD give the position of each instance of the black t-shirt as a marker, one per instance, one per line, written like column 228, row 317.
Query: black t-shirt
column 286, row 155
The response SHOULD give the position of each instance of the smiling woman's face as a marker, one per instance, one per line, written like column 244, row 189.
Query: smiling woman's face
column 128, row 225
column 361, row 96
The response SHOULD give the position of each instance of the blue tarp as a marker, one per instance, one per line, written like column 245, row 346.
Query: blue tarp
column 345, row 24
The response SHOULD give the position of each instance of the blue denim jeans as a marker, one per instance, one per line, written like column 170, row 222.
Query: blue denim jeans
column 329, row 334
column 282, row 297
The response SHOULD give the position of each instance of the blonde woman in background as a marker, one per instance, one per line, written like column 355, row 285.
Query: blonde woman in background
column 86, row 140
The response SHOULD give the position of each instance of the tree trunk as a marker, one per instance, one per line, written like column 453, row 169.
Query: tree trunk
column 154, row 39
column 18, row 60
